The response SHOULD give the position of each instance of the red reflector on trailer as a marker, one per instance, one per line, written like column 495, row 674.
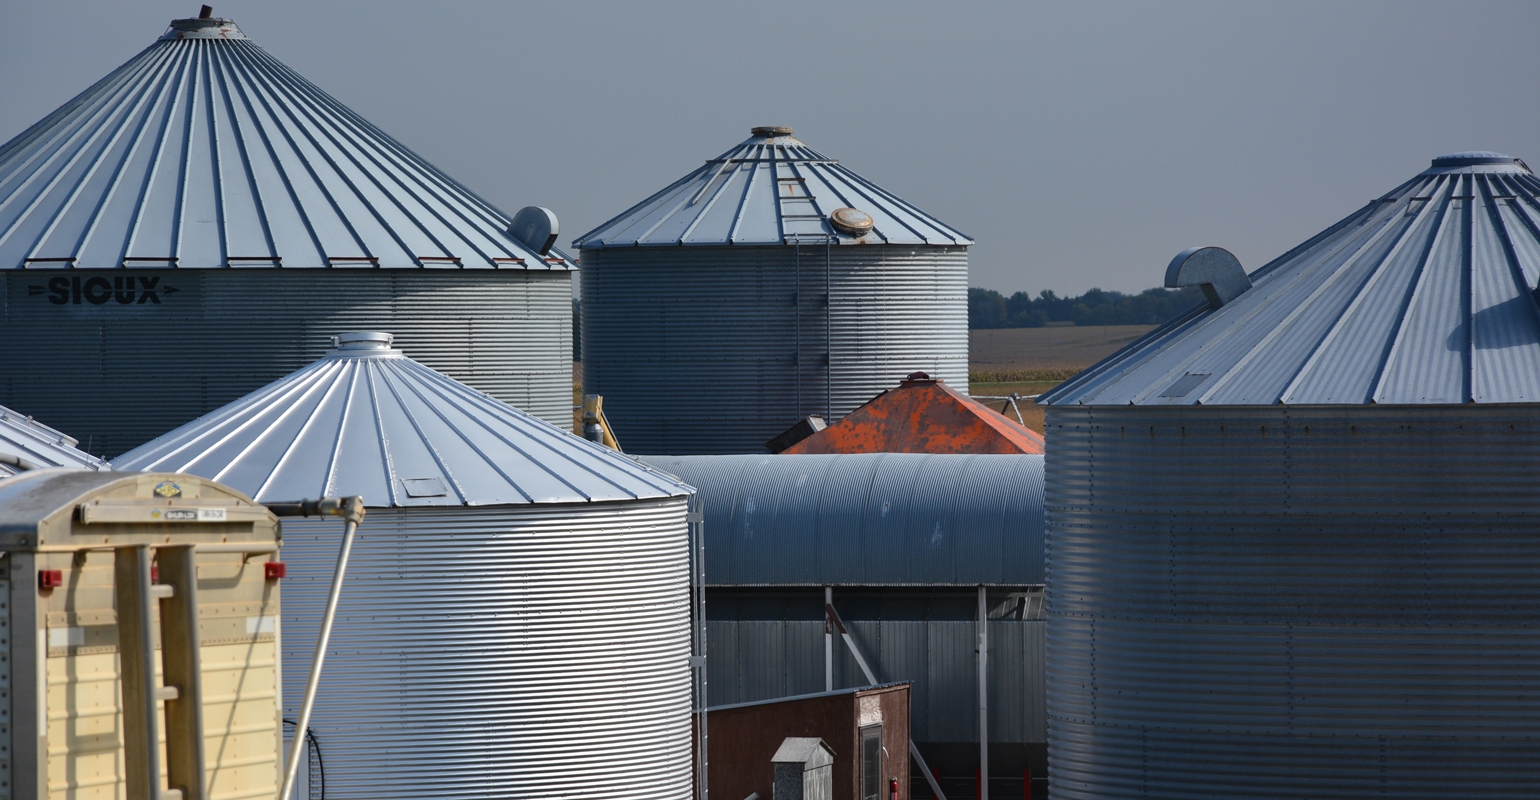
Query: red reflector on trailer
column 273, row 570
column 50, row 578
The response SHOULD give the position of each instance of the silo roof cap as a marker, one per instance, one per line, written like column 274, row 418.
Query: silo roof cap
column 205, row 151
column 772, row 189
column 367, row 420
column 1471, row 158
column 1427, row 295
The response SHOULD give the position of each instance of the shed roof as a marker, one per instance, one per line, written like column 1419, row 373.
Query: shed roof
column 29, row 440
column 205, row 151
column 770, row 189
column 1424, row 296
column 922, row 415
column 809, row 751
column 366, row 420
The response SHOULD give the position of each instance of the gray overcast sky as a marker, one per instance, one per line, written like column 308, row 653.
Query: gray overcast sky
column 1082, row 144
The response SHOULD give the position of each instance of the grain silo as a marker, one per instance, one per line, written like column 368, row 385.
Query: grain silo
column 516, row 617
column 26, row 444
column 770, row 284
column 204, row 206
column 919, row 554
column 1291, row 534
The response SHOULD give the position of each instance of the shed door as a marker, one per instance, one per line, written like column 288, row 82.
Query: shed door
column 871, row 762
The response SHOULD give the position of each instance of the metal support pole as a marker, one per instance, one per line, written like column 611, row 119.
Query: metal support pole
column 833, row 617
column 182, row 669
column 983, row 695
column 352, row 509
column 828, row 641
column 136, row 655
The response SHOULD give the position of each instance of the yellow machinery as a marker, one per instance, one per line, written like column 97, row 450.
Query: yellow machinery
column 595, row 427
column 142, row 638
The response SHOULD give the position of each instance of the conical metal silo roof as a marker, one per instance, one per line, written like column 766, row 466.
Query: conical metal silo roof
column 205, row 151
column 1424, row 296
column 366, row 420
column 26, row 443
column 767, row 190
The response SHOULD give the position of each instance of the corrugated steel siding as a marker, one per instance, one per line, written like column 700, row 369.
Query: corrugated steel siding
column 499, row 652
column 1293, row 602
column 764, row 659
column 870, row 518
column 117, row 375
column 717, row 349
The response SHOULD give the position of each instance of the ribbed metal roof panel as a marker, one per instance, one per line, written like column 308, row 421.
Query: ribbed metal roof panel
column 1424, row 296
column 205, row 151
column 27, row 439
column 769, row 188
column 368, row 421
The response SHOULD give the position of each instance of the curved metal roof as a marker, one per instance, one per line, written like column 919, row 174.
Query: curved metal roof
column 868, row 518
column 366, row 420
column 29, row 440
column 1424, row 296
column 205, row 151
column 767, row 190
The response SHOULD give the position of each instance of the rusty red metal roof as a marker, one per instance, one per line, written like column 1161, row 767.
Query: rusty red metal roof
column 922, row 416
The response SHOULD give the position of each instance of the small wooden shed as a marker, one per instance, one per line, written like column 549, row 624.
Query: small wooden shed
column 866, row 728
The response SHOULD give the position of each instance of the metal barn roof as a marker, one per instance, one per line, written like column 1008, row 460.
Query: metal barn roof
column 205, row 151
column 768, row 189
column 24, row 439
column 922, row 415
column 366, row 420
column 1424, row 296
column 887, row 519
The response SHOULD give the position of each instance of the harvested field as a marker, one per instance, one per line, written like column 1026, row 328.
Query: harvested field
column 1026, row 354
column 1030, row 361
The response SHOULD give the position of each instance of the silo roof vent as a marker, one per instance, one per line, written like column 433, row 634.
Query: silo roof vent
column 1424, row 296
column 203, row 26
column 361, row 343
column 771, row 130
column 1472, row 158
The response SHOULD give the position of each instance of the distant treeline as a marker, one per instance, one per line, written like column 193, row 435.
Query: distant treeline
column 988, row 308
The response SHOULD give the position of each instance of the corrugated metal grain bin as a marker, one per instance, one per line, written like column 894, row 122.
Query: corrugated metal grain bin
column 94, row 674
column 769, row 284
column 27, row 444
column 516, row 619
column 1291, row 534
column 902, row 543
column 203, row 206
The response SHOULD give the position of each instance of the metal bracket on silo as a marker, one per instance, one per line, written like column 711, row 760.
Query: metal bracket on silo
column 1215, row 269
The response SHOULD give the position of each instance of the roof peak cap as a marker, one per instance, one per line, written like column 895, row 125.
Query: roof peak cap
column 203, row 26
column 1486, row 160
column 363, row 344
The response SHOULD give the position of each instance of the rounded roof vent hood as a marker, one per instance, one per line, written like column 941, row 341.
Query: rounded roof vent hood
column 852, row 221
column 771, row 130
